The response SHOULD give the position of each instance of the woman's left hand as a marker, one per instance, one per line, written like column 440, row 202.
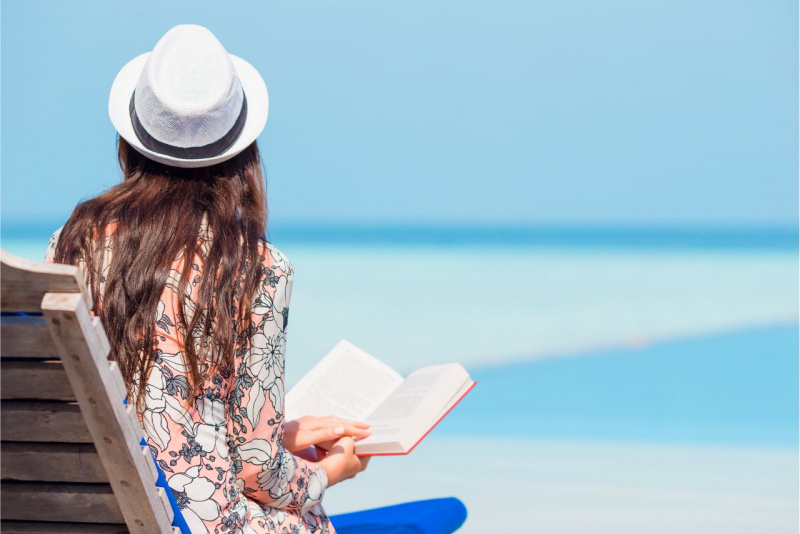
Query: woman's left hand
column 302, row 433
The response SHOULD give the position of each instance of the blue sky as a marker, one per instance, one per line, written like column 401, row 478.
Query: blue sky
column 557, row 112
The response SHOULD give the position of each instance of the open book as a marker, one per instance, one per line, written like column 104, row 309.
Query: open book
column 351, row 384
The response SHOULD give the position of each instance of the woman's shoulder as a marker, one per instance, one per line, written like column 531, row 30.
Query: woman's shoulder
column 274, row 259
column 51, row 245
column 107, row 230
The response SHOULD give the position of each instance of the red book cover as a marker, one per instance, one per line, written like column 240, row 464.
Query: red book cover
column 426, row 433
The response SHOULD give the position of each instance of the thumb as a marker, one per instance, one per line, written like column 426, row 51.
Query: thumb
column 347, row 444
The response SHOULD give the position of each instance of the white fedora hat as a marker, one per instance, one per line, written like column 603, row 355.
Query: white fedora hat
column 188, row 103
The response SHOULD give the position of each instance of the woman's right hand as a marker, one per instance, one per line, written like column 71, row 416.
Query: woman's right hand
column 302, row 433
column 341, row 461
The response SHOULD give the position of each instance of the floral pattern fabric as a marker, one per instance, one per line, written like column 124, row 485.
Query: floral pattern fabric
column 221, row 451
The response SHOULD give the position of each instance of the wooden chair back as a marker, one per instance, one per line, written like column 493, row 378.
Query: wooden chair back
column 71, row 458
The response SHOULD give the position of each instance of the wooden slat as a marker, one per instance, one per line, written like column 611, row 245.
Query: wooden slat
column 25, row 337
column 102, row 339
column 20, row 527
column 150, row 463
column 162, row 496
column 44, row 380
column 23, row 283
column 44, row 422
column 79, row 503
column 51, row 462
column 115, row 428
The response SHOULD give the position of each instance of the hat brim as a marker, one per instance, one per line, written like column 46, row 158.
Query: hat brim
column 254, row 88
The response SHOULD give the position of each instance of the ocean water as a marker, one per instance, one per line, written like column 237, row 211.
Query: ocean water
column 610, row 331
column 485, row 305
column 738, row 388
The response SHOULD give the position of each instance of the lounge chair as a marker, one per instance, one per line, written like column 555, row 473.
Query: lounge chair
column 73, row 454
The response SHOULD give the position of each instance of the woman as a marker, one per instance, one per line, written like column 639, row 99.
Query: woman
column 195, row 301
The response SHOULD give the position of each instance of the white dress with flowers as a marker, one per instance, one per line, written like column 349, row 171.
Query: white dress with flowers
column 221, row 451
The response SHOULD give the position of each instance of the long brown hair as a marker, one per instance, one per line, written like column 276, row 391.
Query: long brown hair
column 157, row 212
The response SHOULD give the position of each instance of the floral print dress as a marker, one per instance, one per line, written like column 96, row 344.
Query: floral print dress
column 221, row 451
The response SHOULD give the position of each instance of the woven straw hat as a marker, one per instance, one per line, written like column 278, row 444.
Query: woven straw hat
column 188, row 103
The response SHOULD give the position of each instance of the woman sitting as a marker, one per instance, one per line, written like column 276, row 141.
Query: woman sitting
column 195, row 301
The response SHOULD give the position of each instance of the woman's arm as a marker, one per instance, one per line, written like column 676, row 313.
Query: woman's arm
column 268, row 472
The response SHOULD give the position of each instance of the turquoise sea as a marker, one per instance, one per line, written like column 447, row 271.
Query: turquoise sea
column 616, row 333
column 611, row 356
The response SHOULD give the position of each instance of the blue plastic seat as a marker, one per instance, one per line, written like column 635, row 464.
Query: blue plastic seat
column 432, row 516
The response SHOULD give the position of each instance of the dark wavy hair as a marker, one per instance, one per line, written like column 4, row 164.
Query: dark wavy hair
column 157, row 211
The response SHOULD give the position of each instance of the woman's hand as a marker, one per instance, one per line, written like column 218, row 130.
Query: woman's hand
column 302, row 433
column 341, row 461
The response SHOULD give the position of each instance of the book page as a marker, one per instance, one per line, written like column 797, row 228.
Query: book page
column 347, row 383
column 418, row 399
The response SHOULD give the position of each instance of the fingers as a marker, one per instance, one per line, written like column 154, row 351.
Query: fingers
column 349, row 444
column 364, row 461
column 334, row 428
column 342, row 461
column 327, row 445
column 350, row 430
column 330, row 420
column 359, row 424
column 308, row 430
column 344, row 445
column 334, row 433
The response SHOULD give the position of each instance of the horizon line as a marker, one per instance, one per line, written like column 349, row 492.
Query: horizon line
column 602, row 235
